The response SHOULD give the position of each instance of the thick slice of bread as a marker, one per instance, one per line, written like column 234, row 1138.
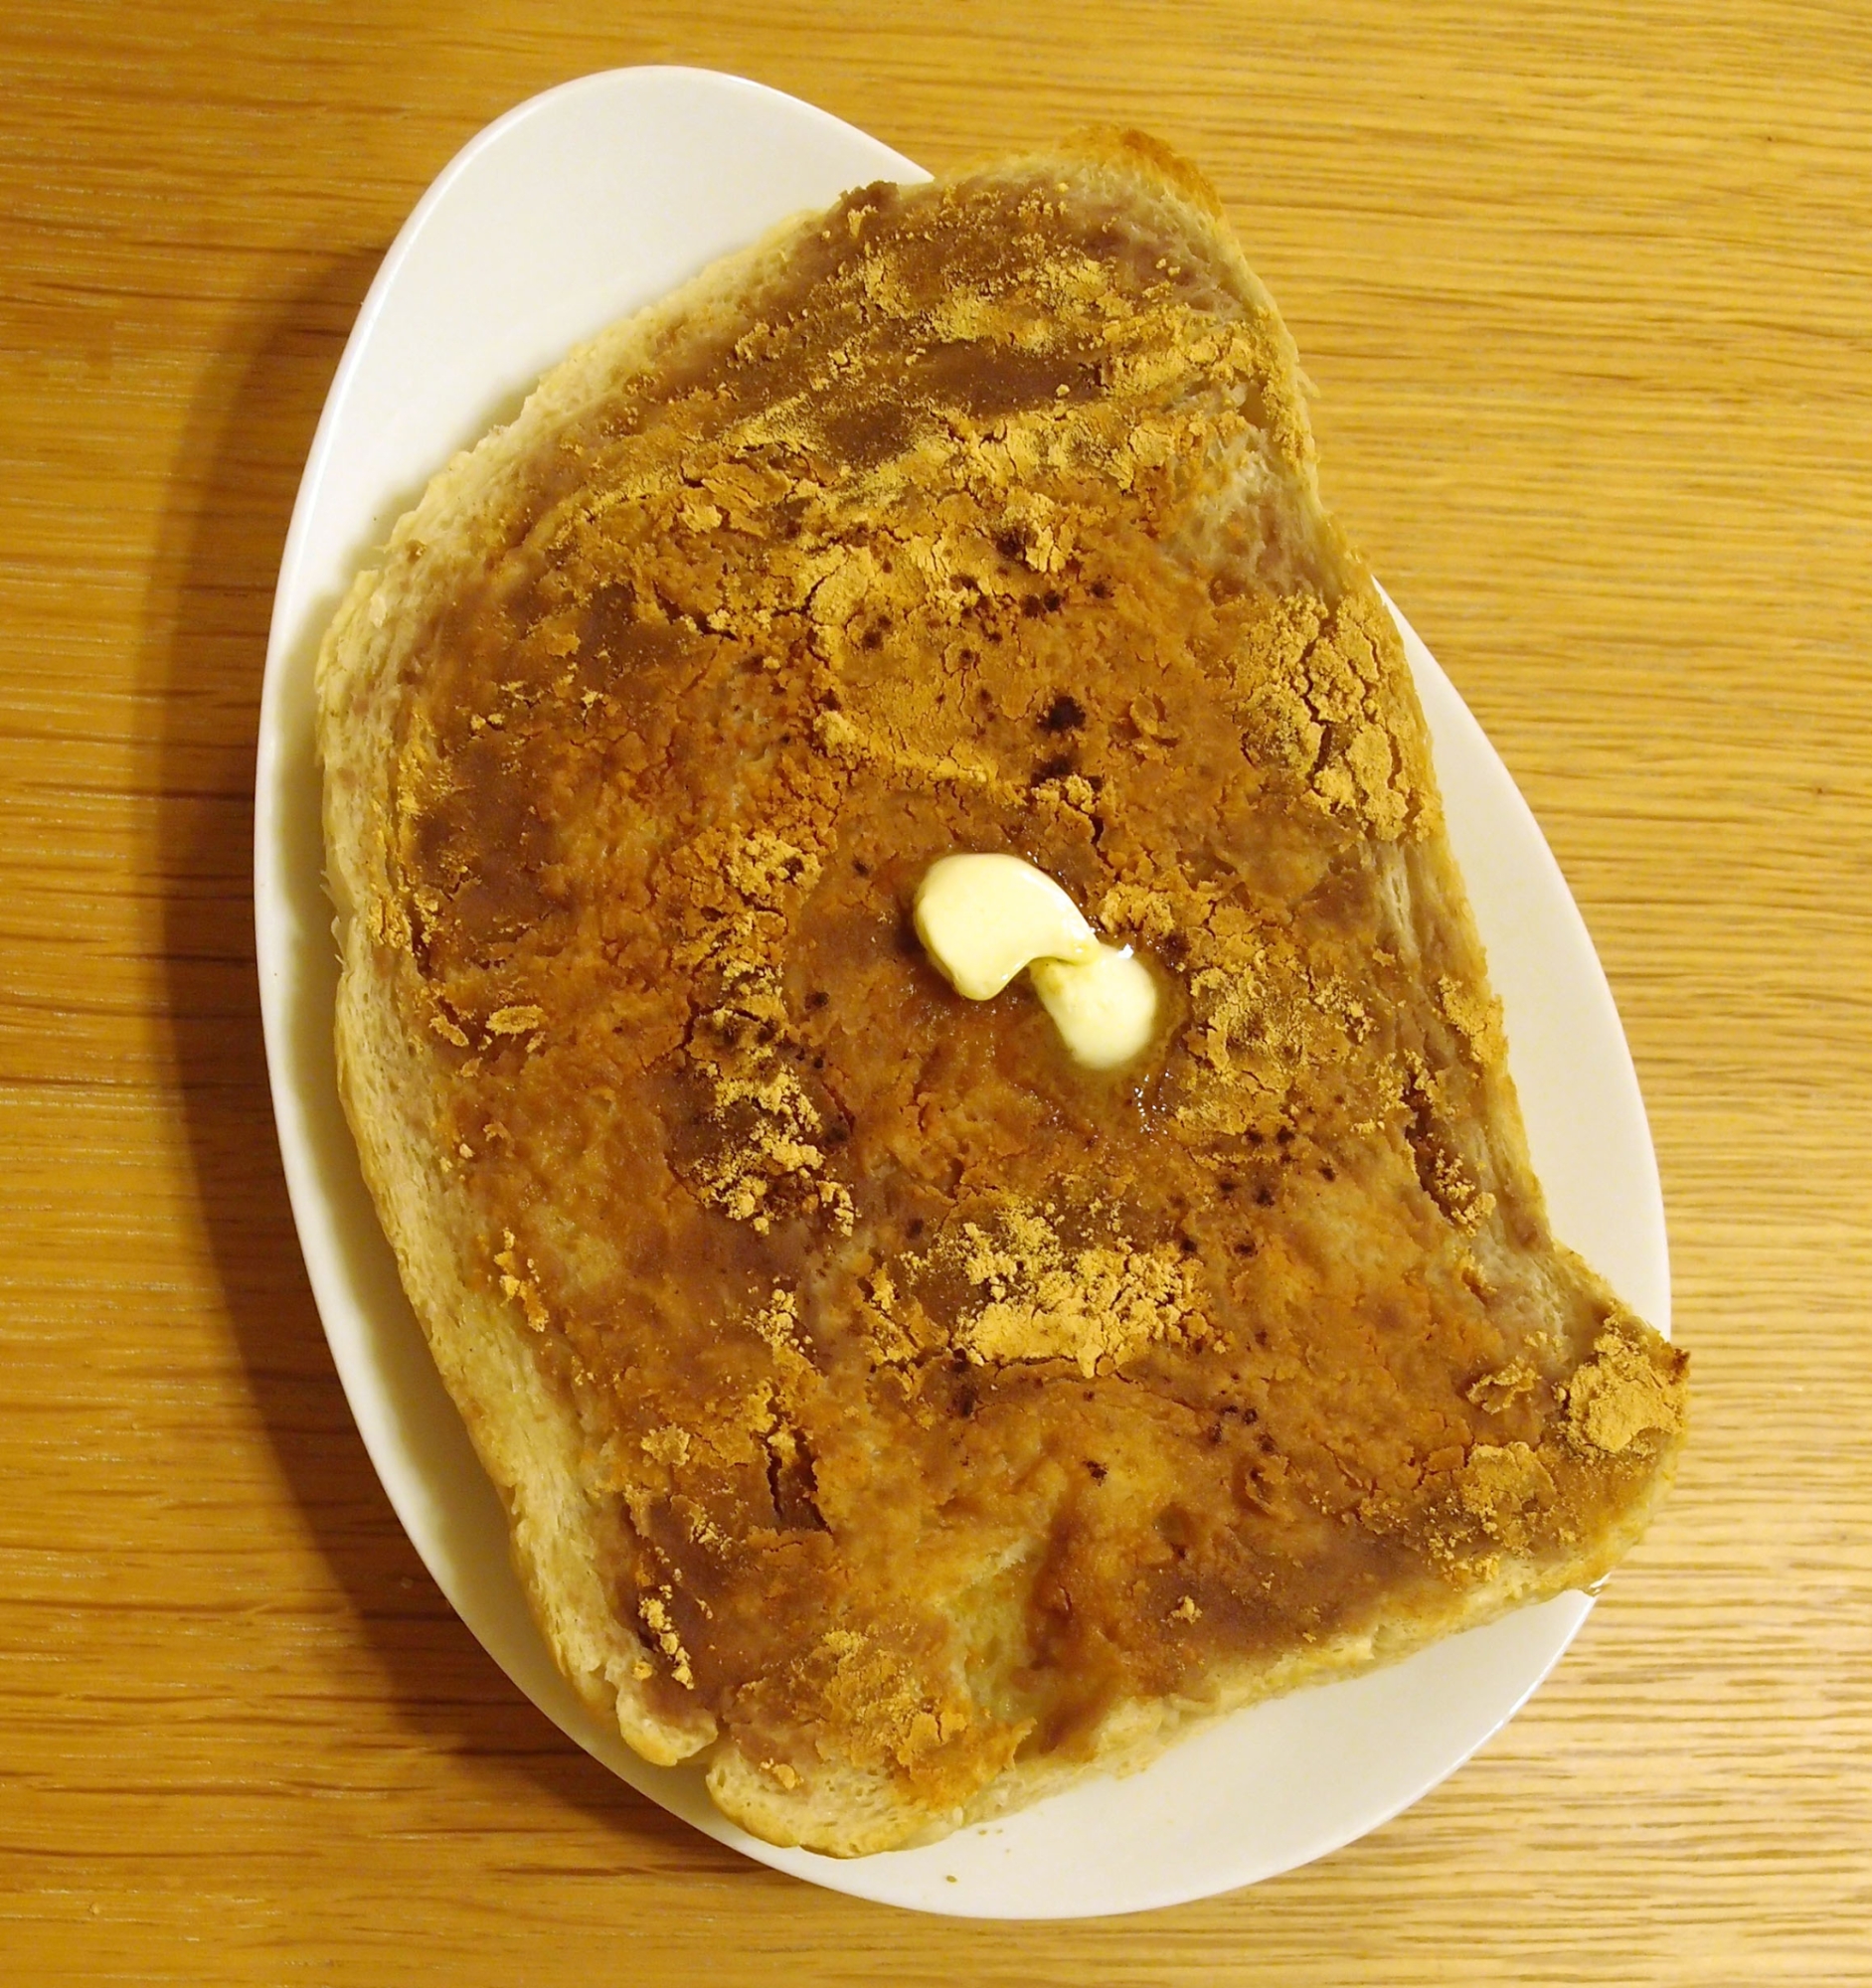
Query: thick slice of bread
column 890, row 1411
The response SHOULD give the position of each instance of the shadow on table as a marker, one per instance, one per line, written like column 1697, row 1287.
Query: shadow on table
column 230, row 501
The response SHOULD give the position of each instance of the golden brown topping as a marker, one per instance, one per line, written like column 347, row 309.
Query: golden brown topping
column 1035, row 1298
column 518, row 1277
column 1628, row 1389
column 1499, row 1484
column 655, row 1611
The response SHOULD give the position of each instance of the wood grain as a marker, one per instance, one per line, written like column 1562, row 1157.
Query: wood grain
column 1587, row 294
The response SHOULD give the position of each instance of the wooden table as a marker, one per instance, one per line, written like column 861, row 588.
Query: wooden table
column 1587, row 293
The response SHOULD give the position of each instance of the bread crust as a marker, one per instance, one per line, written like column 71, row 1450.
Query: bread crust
column 532, row 1430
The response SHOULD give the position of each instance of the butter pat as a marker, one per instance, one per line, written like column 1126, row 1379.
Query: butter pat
column 982, row 919
column 1105, row 1008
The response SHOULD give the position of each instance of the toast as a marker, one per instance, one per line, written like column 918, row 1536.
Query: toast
column 894, row 1416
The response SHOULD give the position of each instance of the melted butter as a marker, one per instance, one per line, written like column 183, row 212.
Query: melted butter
column 1105, row 1008
column 984, row 919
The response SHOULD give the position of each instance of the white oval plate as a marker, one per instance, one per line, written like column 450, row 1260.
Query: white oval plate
column 572, row 209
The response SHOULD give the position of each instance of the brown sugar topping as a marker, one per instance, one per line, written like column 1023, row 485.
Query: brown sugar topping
column 1624, row 1393
column 1032, row 1296
column 940, row 1393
